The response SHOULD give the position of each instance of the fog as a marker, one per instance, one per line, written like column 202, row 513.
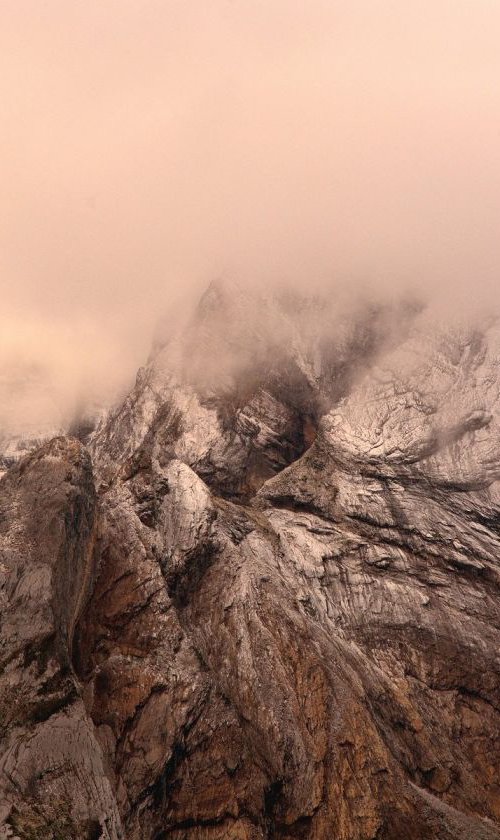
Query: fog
column 148, row 146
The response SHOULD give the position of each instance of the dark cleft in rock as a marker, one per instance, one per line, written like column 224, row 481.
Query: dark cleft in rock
column 52, row 776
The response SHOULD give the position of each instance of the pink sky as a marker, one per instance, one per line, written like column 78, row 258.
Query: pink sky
column 149, row 145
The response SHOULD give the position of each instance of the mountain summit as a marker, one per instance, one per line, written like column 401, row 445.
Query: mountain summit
column 262, row 601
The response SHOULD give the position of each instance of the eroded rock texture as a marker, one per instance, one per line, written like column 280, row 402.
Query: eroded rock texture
column 53, row 782
column 277, row 614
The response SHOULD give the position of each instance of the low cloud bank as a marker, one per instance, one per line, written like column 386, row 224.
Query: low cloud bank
column 342, row 148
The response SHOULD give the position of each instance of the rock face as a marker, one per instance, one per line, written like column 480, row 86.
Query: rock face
column 53, row 781
column 266, row 604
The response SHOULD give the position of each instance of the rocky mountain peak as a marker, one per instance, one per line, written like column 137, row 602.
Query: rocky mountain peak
column 263, row 599
column 246, row 380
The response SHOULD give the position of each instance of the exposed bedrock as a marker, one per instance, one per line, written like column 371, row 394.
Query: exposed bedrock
column 53, row 780
column 274, row 613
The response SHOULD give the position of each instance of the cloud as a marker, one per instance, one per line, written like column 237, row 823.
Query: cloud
column 149, row 146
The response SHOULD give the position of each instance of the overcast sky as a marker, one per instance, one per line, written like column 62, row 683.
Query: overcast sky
column 147, row 146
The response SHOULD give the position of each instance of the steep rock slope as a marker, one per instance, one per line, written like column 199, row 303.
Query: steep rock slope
column 292, row 620
column 52, row 776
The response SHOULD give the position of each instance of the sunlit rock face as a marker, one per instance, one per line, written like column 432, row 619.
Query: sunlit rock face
column 263, row 601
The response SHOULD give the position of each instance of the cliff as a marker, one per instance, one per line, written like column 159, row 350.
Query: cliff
column 264, row 602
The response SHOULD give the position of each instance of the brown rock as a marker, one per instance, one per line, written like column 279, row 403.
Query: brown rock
column 279, row 617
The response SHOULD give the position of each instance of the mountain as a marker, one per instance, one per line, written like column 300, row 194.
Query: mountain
column 29, row 411
column 262, row 601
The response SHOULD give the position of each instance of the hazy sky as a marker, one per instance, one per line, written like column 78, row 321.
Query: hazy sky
column 147, row 146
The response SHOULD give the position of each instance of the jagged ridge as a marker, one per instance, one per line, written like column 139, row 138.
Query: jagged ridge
column 292, row 625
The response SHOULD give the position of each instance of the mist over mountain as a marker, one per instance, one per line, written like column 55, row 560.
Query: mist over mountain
column 249, row 420
column 149, row 148
column 259, row 596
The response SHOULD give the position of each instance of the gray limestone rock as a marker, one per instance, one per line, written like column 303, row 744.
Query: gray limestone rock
column 274, row 611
